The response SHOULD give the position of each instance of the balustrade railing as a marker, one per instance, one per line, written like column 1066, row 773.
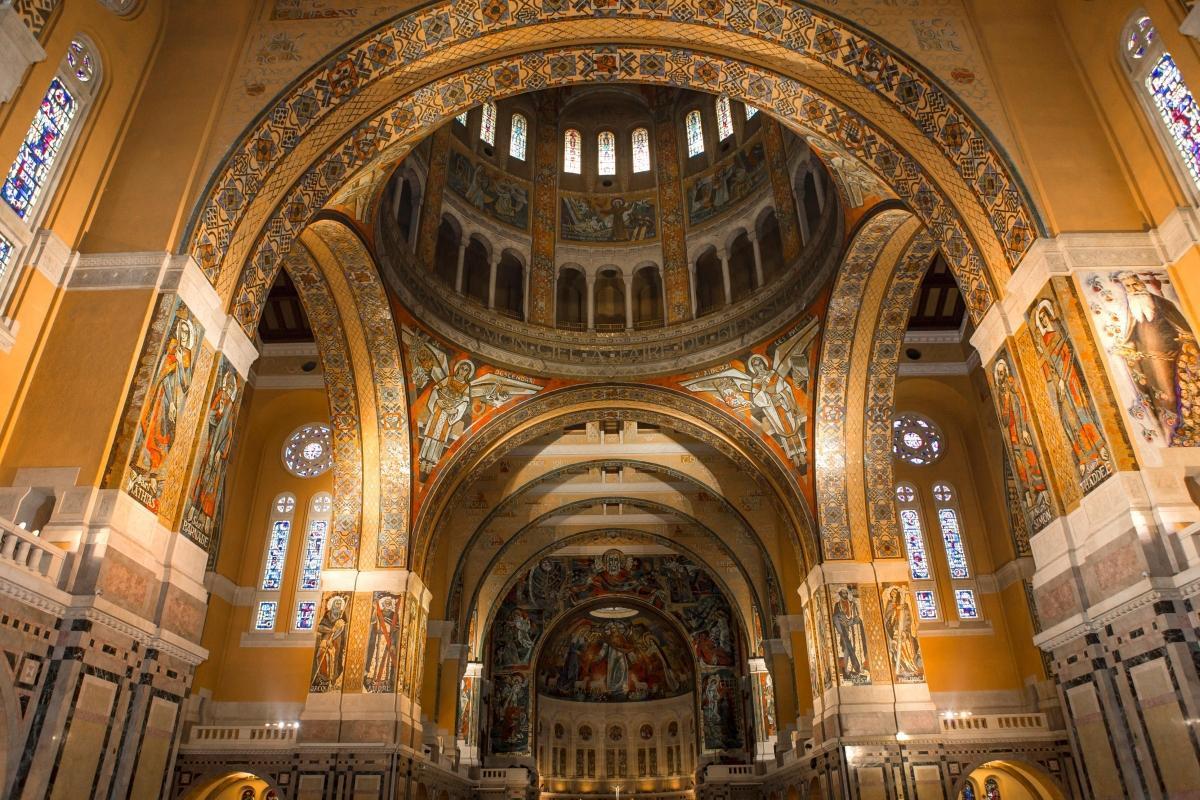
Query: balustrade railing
column 29, row 553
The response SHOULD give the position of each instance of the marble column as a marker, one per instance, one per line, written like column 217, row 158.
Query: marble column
column 493, row 268
column 590, row 278
column 458, row 272
column 628, row 303
column 759, row 280
column 725, row 283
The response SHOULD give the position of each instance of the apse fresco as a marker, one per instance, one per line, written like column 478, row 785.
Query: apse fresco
column 206, row 498
column 163, row 408
column 1152, row 350
column 727, row 184
column 615, row 660
column 500, row 196
column 769, row 388
column 608, row 217
column 541, row 595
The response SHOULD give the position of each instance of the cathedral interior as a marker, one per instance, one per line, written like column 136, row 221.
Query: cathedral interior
column 533, row 400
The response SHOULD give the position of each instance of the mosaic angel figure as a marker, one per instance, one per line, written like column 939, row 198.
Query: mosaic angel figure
column 448, row 406
column 767, row 388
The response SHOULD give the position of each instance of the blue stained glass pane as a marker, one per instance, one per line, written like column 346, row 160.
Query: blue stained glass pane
column 1179, row 111
column 461, row 119
column 695, row 133
column 992, row 789
column 750, row 111
column 306, row 611
column 926, row 604
column 314, row 548
column 968, row 792
column 516, row 141
column 265, row 619
column 965, row 599
column 956, row 558
column 6, row 251
column 910, row 526
column 724, row 119
column 29, row 172
column 276, row 552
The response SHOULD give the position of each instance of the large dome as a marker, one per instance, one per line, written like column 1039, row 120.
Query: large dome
column 609, row 230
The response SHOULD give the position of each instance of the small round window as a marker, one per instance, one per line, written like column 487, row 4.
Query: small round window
column 308, row 451
column 916, row 439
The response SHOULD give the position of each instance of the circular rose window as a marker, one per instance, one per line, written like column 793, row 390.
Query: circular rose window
column 308, row 451
column 916, row 439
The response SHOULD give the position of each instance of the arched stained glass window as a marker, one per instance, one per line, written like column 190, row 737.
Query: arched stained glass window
column 968, row 791
column 572, row 152
column 461, row 119
column 264, row 620
column 487, row 123
column 956, row 555
column 724, row 119
column 43, row 142
column 314, row 541
column 277, row 542
column 606, row 153
column 516, row 139
column 1164, row 91
column 965, row 600
column 991, row 789
column 640, row 144
column 694, row 128
column 750, row 111
column 910, row 529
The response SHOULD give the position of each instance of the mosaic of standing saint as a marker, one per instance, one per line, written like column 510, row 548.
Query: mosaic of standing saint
column 771, row 389
column 900, row 627
column 1017, row 431
column 452, row 395
column 156, row 431
column 202, row 514
column 850, row 635
column 1069, row 395
column 1152, row 346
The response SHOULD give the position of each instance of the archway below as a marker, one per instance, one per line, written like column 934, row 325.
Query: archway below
column 232, row 786
column 1008, row 780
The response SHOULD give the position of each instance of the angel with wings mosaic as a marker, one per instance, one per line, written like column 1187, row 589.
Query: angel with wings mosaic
column 767, row 388
column 448, row 406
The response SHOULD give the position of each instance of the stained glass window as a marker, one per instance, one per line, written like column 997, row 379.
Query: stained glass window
column 695, row 133
column 724, row 119
column 968, row 792
column 991, row 789
column 1179, row 111
column 606, row 153
column 572, row 152
column 35, row 158
column 461, row 119
column 750, row 111
column 314, row 549
column 955, row 557
column 926, row 604
column 309, row 450
column 516, row 140
column 306, row 610
column 487, row 123
column 910, row 528
column 276, row 553
column 1140, row 37
column 264, row 620
column 965, row 600
column 915, row 439
column 6, row 251
column 640, row 143
column 285, row 504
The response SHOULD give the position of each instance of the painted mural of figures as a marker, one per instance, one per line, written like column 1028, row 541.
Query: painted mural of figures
column 510, row 714
column 465, row 708
column 718, row 700
column 447, row 411
column 767, row 388
column 711, row 193
column 1152, row 343
column 331, row 644
column 851, row 636
column 494, row 193
column 163, row 407
column 1069, row 394
column 383, row 643
column 202, row 512
column 608, row 218
column 1018, row 437
column 899, row 624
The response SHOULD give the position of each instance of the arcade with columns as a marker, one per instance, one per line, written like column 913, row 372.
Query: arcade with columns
column 528, row 400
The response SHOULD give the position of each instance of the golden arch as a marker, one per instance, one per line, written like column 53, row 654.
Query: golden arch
column 446, row 58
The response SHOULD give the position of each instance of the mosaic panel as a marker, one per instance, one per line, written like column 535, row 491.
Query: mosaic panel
column 849, row 634
column 725, row 184
column 1021, row 441
column 881, row 394
column 676, row 280
column 840, row 325
column 785, row 200
column 542, row 271
column 496, row 194
column 435, row 187
column 390, row 392
column 900, row 627
column 206, row 498
column 342, row 550
column 608, row 218
column 430, row 31
column 330, row 655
